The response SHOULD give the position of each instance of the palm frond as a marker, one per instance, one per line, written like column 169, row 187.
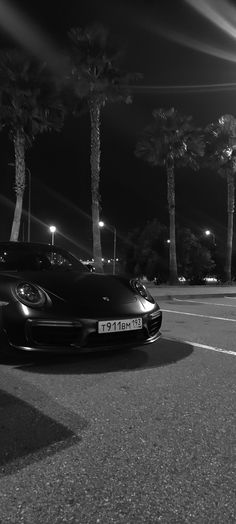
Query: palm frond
column 171, row 135
column 29, row 95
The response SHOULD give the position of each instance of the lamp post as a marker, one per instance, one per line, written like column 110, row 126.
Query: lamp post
column 102, row 224
column 52, row 229
column 114, row 250
column 208, row 233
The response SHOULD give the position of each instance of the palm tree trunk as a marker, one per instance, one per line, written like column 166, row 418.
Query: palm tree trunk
column 171, row 206
column 19, row 147
column 230, row 227
column 95, row 117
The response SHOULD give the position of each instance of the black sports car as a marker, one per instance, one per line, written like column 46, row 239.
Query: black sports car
column 50, row 301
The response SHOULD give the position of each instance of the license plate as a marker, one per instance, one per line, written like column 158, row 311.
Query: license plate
column 115, row 326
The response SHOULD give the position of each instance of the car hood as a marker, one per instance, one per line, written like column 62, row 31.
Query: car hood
column 72, row 286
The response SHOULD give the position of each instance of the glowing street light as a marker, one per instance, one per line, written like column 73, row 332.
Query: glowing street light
column 52, row 230
column 208, row 233
column 102, row 224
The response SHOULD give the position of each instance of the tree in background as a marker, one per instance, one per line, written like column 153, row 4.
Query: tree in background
column 220, row 155
column 171, row 141
column 195, row 260
column 29, row 105
column 96, row 75
column 146, row 253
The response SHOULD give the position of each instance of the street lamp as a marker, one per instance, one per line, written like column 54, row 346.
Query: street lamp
column 102, row 224
column 52, row 230
column 208, row 233
column 114, row 250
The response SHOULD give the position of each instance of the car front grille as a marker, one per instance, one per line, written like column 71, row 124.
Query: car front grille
column 54, row 334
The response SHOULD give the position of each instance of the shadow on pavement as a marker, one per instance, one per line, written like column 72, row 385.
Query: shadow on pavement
column 160, row 353
column 27, row 435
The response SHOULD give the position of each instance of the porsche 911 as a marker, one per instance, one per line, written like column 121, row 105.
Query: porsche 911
column 51, row 302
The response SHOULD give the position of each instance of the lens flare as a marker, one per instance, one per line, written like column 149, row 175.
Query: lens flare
column 221, row 13
column 185, row 88
column 8, row 203
column 191, row 42
column 29, row 36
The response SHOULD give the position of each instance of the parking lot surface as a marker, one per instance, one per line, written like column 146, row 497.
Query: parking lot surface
column 210, row 321
column 134, row 437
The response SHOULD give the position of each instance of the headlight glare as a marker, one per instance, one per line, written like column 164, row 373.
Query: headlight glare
column 139, row 288
column 30, row 295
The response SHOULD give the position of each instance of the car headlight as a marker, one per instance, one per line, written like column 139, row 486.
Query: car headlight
column 139, row 288
column 30, row 295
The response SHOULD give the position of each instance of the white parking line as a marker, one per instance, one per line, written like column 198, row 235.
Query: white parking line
column 212, row 348
column 204, row 346
column 198, row 315
column 201, row 302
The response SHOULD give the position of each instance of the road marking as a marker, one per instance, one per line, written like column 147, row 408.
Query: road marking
column 204, row 346
column 232, row 298
column 198, row 315
column 212, row 348
column 201, row 302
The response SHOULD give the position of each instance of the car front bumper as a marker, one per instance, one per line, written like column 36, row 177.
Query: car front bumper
column 81, row 335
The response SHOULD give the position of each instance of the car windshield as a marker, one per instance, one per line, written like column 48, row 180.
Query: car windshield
column 36, row 259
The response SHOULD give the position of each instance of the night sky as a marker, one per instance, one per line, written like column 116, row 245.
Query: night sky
column 170, row 44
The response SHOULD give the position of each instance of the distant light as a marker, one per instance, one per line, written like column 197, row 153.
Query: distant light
column 52, row 229
column 210, row 279
column 207, row 232
column 168, row 241
column 117, row 259
column 101, row 223
column 108, row 261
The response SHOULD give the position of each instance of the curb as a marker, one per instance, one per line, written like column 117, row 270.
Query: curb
column 202, row 295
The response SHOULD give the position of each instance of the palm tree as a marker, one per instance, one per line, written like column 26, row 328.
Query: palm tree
column 96, row 76
column 171, row 141
column 221, row 156
column 29, row 105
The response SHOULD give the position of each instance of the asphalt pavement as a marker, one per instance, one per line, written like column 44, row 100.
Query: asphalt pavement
column 141, row 437
column 137, row 437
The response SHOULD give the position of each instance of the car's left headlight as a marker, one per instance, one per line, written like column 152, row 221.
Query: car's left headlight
column 30, row 295
column 139, row 288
